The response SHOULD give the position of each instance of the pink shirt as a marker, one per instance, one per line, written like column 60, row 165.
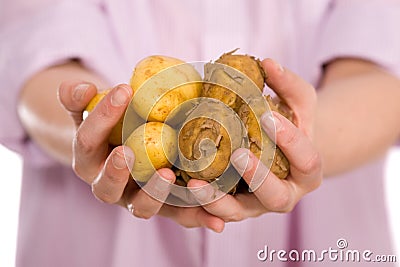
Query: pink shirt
column 62, row 224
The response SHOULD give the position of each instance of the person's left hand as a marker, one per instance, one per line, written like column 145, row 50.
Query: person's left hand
column 294, row 139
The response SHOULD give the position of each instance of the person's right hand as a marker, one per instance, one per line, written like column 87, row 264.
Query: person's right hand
column 106, row 168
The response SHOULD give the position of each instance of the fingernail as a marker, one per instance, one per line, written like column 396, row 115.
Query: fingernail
column 271, row 124
column 120, row 96
column 162, row 184
column 79, row 91
column 242, row 162
column 118, row 161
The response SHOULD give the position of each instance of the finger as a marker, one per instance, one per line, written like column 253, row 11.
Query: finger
column 298, row 94
column 226, row 206
column 204, row 192
column 108, row 112
column 193, row 217
column 151, row 197
column 74, row 96
column 275, row 194
column 91, row 139
column 229, row 208
column 305, row 161
column 110, row 184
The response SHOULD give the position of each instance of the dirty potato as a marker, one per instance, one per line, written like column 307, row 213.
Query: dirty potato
column 260, row 143
column 248, row 65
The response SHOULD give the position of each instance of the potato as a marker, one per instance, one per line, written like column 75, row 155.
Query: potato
column 115, row 138
column 155, row 146
column 259, row 140
column 191, row 146
column 208, row 137
column 158, row 88
column 235, row 93
column 248, row 65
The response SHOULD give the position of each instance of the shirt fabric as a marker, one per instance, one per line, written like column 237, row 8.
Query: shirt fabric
column 61, row 222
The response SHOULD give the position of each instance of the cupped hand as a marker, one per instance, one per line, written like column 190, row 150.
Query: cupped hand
column 268, row 192
column 107, row 169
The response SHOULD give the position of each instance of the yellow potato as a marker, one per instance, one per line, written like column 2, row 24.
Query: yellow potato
column 96, row 99
column 155, row 146
column 158, row 89
column 116, row 134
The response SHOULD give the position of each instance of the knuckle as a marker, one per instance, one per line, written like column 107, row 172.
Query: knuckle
column 104, row 196
column 107, row 114
column 82, row 142
column 289, row 138
column 282, row 203
column 182, row 218
column 117, row 179
column 115, row 176
column 103, row 111
column 313, row 164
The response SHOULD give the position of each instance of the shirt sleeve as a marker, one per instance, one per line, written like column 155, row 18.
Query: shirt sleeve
column 365, row 29
column 36, row 38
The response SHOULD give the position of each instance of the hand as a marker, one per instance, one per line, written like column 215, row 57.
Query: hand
column 272, row 194
column 106, row 168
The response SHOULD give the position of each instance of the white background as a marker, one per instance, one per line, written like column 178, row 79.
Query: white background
column 10, row 173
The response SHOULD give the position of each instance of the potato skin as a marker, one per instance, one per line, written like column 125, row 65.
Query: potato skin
column 211, row 132
column 154, row 145
column 198, row 130
column 150, row 66
column 248, row 65
column 154, row 101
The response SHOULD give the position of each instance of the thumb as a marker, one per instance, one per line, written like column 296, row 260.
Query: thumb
column 297, row 93
column 74, row 97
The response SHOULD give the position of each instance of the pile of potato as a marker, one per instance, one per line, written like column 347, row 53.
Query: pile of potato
column 192, row 124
